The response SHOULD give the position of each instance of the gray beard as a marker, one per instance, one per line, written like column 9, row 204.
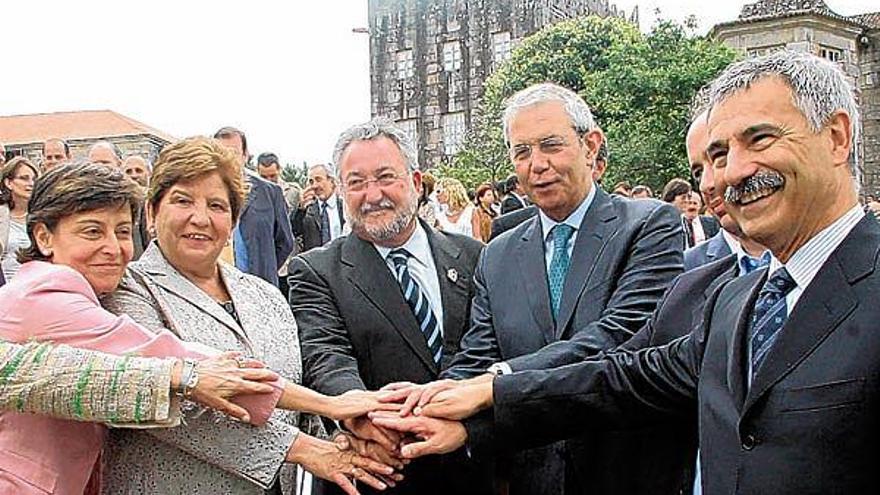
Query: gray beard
column 403, row 216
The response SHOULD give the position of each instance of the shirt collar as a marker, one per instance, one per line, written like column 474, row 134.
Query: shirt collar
column 417, row 245
column 737, row 249
column 331, row 201
column 574, row 219
column 805, row 263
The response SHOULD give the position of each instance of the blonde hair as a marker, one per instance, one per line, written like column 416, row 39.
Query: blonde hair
column 192, row 158
column 456, row 195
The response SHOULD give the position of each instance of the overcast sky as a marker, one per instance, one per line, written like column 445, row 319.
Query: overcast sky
column 291, row 74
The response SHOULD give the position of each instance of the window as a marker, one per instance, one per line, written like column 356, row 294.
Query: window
column 405, row 67
column 832, row 54
column 757, row 52
column 453, row 132
column 451, row 56
column 500, row 47
column 411, row 128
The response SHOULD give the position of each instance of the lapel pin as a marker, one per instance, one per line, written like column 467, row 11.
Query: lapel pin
column 452, row 274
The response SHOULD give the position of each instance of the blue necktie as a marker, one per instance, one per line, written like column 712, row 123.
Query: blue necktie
column 325, row 224
column 769, row 315
column 558, row 264
column 748, row 264
column 418, row 302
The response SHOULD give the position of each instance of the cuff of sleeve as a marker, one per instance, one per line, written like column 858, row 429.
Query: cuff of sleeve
column 480, row 435
column 501, row 368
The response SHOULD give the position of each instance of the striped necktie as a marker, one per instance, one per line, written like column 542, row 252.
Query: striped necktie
column 769, row 315
column 418, row 303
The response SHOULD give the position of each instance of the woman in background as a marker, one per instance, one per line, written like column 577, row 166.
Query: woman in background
column 485, row 212
column 16, row 184
column 458, row 216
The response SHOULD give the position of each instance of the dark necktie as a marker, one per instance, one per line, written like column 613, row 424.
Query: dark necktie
column 769, row 315
column 748, row 264
column 418, row 303
column 690, row 240
column 325, row 223
column 558, row 264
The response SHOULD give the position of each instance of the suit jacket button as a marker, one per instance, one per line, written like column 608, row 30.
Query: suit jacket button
column 749, row 442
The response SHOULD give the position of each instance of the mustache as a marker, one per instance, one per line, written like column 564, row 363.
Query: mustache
column 383, row 204
column 753, row 184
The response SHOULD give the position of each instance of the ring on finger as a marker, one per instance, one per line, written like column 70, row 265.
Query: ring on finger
column 240, row 361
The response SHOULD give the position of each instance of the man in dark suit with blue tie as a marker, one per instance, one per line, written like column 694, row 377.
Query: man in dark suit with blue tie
column 262, row 240
column 578, row 278
column 784, row 369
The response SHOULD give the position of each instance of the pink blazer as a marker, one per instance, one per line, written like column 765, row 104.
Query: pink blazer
column 39, row 454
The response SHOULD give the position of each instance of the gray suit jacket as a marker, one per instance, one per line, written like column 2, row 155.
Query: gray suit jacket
column 211, row 453
column 707, row 252
column 626, row 254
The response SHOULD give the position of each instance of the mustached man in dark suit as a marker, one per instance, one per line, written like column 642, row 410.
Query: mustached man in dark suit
column 785, row 369
column 588, row 270
column 262, row 240
column 388, row 303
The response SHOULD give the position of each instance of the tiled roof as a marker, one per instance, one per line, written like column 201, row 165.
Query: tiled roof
column 763, row 10
column 870, row 20
column 769, row 8
column 23, row 129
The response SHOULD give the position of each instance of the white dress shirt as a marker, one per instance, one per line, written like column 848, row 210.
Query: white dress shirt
column 421, row 268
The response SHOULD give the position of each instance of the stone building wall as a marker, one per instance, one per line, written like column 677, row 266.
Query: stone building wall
column 430, row 58
column 870, row 107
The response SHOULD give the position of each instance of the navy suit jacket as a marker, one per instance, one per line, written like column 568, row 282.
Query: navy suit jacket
column 809, row 422
column 706, row 252
column 625, row 255
column 265, row 229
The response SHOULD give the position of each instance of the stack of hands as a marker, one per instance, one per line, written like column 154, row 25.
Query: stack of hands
column 402, row 421
column 380, row 431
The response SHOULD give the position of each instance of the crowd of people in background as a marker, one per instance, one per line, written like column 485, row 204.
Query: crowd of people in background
column 384, row 328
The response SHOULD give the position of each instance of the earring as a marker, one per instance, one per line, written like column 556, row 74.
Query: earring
column 151, row 232
column 47, row 253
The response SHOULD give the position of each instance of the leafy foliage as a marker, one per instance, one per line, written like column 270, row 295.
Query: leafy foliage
column 295, row 174
column 639, row 87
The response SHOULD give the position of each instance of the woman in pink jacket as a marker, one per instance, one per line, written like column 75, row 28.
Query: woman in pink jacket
column 80, row 226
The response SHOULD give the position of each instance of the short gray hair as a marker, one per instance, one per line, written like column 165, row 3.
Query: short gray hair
column 375, row 129
column 819, row 88
column 328, row 169
column 577, row 109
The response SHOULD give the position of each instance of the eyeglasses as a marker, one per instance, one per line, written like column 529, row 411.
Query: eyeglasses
column 359, row 184
column 548, row 145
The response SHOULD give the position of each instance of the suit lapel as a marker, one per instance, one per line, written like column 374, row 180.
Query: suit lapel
column 824, row 305
column 168, row 278
column 533, row 276
column 454, row 294
column 367, row 271
column 592, row 237
column 340, row 212
column 250, row 196
column 717, row 247
column 734, row 313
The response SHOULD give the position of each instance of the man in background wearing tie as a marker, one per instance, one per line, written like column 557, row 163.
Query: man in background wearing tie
column 320, row 218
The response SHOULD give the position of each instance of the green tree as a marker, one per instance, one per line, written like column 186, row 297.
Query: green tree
column 639, row 87
column 295, row 174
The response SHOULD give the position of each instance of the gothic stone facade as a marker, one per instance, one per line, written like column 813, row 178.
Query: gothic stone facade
column 809, row 25
column 429, row 59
